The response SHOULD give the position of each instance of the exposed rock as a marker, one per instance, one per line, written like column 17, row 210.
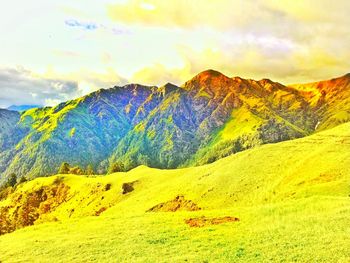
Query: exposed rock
column 26, row 208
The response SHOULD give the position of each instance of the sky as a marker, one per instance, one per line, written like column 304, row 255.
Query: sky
column 52, row 51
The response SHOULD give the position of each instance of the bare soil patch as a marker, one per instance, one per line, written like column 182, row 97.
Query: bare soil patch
column 204, row 221
column 177, row 204
column 128, row 187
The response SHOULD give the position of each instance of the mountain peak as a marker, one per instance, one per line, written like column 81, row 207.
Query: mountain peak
column 210, row 73
column 265, row 81
column 170, row 85
column 167, row 88
column 210, row 81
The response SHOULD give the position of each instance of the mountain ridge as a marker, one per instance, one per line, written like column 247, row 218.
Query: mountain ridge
column 24, row 107
column 206, row 118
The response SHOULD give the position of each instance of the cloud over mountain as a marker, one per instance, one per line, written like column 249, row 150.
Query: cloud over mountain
column 20, row 86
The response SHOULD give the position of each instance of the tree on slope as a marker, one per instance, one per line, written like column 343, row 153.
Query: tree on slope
column 12, row 181
column 116, row 167
column 64, row 169
column 90, row 170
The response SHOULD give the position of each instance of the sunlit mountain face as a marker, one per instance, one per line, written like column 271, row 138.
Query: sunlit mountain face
column 209, row 117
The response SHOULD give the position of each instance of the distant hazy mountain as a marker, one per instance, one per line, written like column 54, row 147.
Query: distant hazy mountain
column 20, row 108
column 208, row 117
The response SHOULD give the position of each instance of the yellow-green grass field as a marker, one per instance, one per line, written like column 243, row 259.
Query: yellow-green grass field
column 292, row 200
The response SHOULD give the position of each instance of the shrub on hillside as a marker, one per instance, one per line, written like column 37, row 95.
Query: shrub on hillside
column 7, row 187
column 116, row 167
column 12, row 180
column 58, row 180
column 76, row 170
column 89, row 170
column 64, row 168
column 22, row 180
column 4, row 192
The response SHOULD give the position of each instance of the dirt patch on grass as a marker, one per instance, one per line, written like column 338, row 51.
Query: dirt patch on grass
column 177, row 204
column 100, row 211
column 128, row 187
column 108, row 187
column 204, row 221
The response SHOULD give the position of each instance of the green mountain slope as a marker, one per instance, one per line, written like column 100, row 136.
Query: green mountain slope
column 8, row 120
column 10, row 135
column 81, row 131
column 331, row 99
column 291, row 198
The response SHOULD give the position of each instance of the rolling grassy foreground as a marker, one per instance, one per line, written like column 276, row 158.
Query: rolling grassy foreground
column 292, row 200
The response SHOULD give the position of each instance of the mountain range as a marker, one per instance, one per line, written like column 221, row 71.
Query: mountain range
column 20, row 108
column 208, row 117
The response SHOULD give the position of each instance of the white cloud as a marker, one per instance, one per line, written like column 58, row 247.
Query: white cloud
column 51, row 102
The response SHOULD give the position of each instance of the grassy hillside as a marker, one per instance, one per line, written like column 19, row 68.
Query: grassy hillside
column 292, row 200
